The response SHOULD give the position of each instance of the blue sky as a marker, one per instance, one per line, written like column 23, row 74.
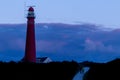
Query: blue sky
column 101, row 12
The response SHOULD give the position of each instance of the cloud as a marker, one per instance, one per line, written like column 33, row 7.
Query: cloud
column 17, row 44
column 49, row 46
column 71, row 42
column 97, row 46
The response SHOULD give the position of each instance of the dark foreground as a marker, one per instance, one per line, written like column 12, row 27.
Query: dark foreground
column 32, row 71
column 59, row 70
column 103, row 71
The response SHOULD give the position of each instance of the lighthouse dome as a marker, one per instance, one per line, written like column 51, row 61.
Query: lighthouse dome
column 31, row 9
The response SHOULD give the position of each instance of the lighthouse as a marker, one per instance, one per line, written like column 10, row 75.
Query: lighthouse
column 30, row 47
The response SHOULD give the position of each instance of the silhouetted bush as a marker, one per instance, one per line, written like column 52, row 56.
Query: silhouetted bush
column 104, row 71
column 42, row 71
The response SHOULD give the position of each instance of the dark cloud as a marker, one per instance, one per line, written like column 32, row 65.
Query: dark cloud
column 62, row 42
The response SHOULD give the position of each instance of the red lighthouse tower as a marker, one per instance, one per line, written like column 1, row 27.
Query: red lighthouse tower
column 30, row 48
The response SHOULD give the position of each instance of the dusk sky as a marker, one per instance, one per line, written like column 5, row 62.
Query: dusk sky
column 101, row 12
column 57, row 40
